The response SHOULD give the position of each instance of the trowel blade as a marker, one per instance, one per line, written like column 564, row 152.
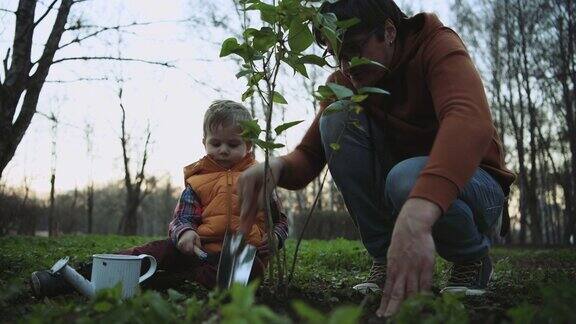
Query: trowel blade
column 236, row 260
column 243, row 264
column 224, row 273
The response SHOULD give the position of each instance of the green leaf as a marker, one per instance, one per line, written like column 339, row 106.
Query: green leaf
column 250, row 129
column 375, row 90
column 278, row 98
column 102, row 307
column 268, row 145
column 244, row 73
column 340, row 91
column 285, row 126
column 359, row 98
column 328, row 20
column 263, row 39
column 335, row 146
column 300, row 68
column 324, row 93
column 307, row 313
column 345, row 314
column 249, row 32
column 293, row 61
column 299, row 36
column 337, row 106
column 255, row 78
column 247, row 94
column 229, row 46
column 312, row 59
column 268, row 13
column 242, row 296
column 175, row 296
column 345, row 24
column 356, row 61
column 332, row 36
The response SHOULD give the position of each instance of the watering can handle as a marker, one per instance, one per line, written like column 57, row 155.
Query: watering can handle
column 152, row 268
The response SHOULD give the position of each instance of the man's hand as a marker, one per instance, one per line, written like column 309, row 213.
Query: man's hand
column 411, row 254
column 189, row 243
column 250, row 188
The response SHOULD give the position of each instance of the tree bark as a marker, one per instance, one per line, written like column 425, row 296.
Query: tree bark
column 18, row 78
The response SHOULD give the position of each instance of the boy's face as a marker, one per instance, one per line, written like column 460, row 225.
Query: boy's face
column 225, row 145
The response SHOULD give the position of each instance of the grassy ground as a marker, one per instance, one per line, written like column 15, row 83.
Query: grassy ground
column 530, row 285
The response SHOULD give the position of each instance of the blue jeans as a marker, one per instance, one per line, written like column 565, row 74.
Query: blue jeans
column 375, row 188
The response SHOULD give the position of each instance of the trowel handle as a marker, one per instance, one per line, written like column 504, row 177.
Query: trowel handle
column 152, row 268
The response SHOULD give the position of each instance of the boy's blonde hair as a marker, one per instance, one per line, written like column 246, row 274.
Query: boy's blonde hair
column 225, row 113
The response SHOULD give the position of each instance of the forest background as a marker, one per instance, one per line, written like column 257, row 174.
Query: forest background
column 120, row 113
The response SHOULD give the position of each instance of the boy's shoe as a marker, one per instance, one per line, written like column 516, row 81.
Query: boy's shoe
column 470, row 278
column 44, row 283
column 376, row 279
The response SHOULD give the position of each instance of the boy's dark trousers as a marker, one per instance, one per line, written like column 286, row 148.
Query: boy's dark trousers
column 174, row 265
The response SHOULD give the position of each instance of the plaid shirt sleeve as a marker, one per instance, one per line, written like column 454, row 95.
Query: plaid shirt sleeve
column 280, row 223
column 187, row 215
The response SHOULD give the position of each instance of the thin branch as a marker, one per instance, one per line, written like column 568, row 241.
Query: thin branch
column 6, row 62
column 112, row 58
column 6, row 10
column 99, row 31
column 78, row 80
column 124, row 141
column 51, row 117
column 45, row 14
column 141, row 177
column 80, row 26
column 318, row 194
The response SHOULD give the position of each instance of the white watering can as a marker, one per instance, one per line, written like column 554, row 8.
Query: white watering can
column 107, row 271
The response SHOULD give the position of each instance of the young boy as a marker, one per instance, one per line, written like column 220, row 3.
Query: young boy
column 201, row 216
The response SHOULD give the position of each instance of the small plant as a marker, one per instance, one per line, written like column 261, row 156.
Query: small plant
column 242, row 309
column 341, row 315
column 425, row 308
column 558, row 302
column 282, row 39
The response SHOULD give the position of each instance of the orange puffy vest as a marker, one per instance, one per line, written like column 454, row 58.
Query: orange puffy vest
column 216, row 189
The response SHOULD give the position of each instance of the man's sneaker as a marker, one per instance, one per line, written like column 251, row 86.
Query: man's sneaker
column 44, row 283
column 376, row 279
column 470, row 278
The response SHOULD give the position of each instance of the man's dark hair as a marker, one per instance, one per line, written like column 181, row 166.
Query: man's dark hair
column 372, row 14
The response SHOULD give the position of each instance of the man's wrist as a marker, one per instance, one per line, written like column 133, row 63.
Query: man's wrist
column 422, row 211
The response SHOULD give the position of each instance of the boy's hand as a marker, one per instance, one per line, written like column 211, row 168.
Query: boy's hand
column 265, row 250
column 189, row 243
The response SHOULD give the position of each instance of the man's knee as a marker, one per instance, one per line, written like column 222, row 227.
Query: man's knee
column 331, row 126
column 402, row 178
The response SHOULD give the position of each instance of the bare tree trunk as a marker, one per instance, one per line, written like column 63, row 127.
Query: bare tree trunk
column 53, row 227
column 531, row 181
column 134, row 193
column 90, row 208
column 74, row 221
column 52, row 221
column 27, row 223
column 19, row 79
column 130, row 219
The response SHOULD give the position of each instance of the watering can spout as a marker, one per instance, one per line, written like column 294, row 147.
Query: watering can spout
column 74, row 278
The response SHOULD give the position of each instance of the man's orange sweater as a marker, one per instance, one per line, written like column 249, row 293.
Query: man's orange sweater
column 437, row 108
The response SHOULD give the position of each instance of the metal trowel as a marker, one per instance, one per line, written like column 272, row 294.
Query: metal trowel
column 236, row 260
